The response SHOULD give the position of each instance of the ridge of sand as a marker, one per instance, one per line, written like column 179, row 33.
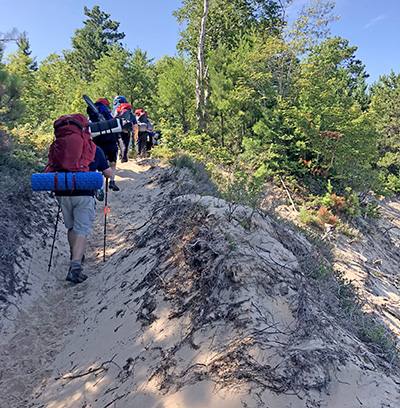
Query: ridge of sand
column 190, row 310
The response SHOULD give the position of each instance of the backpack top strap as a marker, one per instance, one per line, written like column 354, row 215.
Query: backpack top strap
column 67, row 122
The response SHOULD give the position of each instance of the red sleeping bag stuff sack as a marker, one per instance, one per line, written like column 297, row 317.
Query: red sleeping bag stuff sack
column 122, row 108
column 73, row 150
column 125, row 115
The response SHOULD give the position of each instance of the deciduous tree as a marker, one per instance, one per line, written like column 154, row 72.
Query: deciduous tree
column 385, row 111
column 174, row 100
column 211, row 23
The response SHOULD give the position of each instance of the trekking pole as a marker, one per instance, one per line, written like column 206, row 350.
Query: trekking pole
column 54, row 237
column 105, row 221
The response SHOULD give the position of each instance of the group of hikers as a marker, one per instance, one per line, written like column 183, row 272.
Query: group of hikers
column 75, row 150
column 136, row 126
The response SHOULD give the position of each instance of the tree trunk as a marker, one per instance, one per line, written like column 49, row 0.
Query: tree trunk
column 201, row 97
column 222, row 131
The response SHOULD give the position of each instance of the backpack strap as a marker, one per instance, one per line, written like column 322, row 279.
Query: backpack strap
column 67, row 122
column 73, row 182
column 56, row 180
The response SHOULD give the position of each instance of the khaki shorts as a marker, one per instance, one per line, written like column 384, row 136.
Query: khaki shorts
column 78, row 213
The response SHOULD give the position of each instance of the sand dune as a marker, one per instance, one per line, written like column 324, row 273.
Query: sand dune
column 198, row 305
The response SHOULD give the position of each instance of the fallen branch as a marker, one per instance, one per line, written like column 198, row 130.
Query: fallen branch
column 71, row 377
column 115, row 400
column 101, row 368
column 287, row 192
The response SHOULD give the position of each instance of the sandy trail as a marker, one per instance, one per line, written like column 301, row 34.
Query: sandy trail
column 38, row 326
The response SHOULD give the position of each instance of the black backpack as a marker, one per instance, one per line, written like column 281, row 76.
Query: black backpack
column 102, row 117
column 144, row 124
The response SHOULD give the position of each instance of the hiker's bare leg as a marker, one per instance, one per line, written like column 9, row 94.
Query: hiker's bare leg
column 113, row 186
column 113, row 166
column 77, row 243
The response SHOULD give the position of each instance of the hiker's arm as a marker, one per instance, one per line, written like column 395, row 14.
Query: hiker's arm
column 120, row 143
column 107, row 173
column 136, row 129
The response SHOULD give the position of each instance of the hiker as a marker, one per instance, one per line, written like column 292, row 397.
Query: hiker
column 129, row 124
column 73, row 151
column 145, row 129
column 103, row 107
column 117, row 101
column 108, row 142
column 77, row 207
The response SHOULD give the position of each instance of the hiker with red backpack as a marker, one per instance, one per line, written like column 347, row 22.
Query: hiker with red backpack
column 117, row 101
column 107, row 142
column 74, row 151
column 145, row 128
column 128, row 122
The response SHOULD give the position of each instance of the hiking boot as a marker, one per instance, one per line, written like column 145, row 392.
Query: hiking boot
column 75, row 275
column 113, row 186
column 100, row 195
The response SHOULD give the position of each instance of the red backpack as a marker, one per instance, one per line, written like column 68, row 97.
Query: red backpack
column 125, row 115
column 73, row 149
column 122, row 108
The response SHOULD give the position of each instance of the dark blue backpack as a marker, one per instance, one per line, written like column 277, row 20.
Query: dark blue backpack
column 102, row 114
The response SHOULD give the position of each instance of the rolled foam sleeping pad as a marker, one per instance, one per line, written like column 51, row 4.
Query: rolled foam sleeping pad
column 105, row 127
column 66, row 181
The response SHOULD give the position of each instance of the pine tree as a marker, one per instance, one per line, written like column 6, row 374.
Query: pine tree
column 11, row 107
column 90, row 42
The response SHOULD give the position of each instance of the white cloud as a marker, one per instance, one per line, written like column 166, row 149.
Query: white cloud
column 374, row 21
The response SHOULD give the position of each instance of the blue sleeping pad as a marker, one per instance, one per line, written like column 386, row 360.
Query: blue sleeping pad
column 66, row 181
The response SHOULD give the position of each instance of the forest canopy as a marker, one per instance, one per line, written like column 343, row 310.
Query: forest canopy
column 248, row 90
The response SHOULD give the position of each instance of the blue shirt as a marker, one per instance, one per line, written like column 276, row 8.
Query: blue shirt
column 100, row 162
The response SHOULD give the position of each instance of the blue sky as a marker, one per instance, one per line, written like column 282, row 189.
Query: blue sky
column 371, row 25
column 50, row 24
